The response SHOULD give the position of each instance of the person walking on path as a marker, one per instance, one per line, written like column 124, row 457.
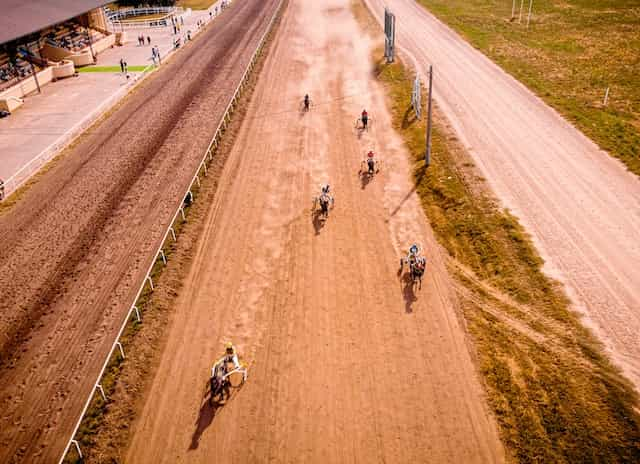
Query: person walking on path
column 122, row 65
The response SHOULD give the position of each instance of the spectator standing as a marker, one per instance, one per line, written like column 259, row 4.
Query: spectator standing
column 175, row 30
column 1, row 190
column 181, row 21
column 122, row 65
column 148, row 40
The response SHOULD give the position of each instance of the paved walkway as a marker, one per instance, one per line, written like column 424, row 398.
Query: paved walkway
column 48, row 121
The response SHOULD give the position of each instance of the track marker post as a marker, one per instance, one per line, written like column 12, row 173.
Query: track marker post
column 101, row 390
column 389, row 35
column 416, row 97
column 121, row 349
column 75, row 442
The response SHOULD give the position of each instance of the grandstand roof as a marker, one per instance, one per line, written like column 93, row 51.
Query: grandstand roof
column 21, row 17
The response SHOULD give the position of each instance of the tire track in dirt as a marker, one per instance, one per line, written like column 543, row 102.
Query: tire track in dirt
column 76, row 247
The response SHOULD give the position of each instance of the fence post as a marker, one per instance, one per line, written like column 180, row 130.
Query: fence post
column 99, row 387
column 135, row 308
column 182, row 213
column 173, row 233
column 150, row 282
column 75, row 442
column 121, row 349
column 162, row 255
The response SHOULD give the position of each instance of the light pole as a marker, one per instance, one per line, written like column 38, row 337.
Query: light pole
column 427, row 158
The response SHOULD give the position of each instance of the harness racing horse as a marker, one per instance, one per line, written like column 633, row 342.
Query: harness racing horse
column 219, row 385
column 417, row 265
column 324, row 200
column 416, row 270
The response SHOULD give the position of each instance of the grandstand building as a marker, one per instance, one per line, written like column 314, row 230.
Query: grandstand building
column 44, row 40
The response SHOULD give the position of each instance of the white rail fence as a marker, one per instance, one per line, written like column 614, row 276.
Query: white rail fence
column 129, row 18
column 125, row 13
column 179, row 215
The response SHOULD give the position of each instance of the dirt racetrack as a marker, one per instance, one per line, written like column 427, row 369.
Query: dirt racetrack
column 581, row 206
column 348, row 363
column 76, row 246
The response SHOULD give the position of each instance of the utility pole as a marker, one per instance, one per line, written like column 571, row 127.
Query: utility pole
column 25, row 56
column 35, row 76
column 93, row 55
column 428, row 153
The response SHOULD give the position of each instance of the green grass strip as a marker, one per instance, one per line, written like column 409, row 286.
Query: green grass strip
column 108, row 69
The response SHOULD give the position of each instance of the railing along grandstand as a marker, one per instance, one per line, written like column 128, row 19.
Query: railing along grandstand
column 126, row 18
column 170, row 232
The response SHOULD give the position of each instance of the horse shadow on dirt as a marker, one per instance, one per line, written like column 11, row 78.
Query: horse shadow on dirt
column 365, row 178
column 208, row 411
column 318, row 220
column 205, row 419
column 408, row 290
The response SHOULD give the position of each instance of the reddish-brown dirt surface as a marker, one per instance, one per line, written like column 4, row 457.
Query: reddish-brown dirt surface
column 347, row 361
column 75, row 248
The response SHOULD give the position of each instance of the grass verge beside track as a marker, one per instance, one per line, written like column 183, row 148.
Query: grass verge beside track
column 110, row 69
column 196, row 4
column 571, row 52
column 555, row 395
